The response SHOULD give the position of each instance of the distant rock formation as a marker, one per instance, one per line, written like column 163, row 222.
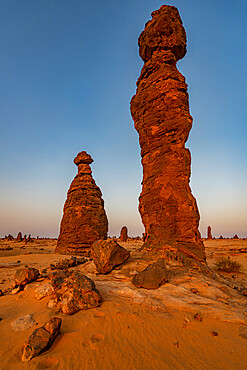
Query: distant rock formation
column 210, row 233
column 160, row 110
column 84, row 219
column 19, row 237
column 124, row 234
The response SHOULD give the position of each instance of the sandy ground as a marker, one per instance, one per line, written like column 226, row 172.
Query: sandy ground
column 133, row 328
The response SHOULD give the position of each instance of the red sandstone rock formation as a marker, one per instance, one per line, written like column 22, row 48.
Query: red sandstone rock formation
column 160, row 110
column 124, row 234
column 19, row 237
column 84, row 219
column 210, row 233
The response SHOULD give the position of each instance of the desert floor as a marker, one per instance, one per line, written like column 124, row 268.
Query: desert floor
column 133, row 328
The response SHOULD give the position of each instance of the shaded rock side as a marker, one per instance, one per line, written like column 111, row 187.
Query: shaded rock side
column 108, row 254
column 124, row 234
column 25, row 275
column 76, row 292
column 160, row 110
column 153, row 276
column 209, row 233
column 84, row 219
column 41, row 339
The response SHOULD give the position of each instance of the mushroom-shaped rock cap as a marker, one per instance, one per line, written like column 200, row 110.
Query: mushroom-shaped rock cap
column 83, row 157
column 164, row 32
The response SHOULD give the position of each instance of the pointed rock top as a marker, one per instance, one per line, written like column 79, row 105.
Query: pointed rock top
column 83, row 158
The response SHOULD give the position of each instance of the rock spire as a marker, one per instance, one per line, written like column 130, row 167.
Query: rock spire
column 160, row 110
column 84, row 219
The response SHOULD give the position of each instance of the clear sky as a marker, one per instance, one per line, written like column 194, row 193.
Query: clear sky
column 68, row 70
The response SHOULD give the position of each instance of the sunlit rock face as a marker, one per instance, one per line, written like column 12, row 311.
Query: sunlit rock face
column 160, row 110
column 84, row 219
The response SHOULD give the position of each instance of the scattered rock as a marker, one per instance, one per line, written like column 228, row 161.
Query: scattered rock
column 160, row 110
column 44, row 290
column 194, row 290
column 23, row 323
column 124, row 234
column 52, row 303
column 198, row 316
column 76, row 292
column 153, row 276
column 84, row 219
column 25, row 275
column 68, row 263
column 41, row 339
column 107, row 254
column 214, row 333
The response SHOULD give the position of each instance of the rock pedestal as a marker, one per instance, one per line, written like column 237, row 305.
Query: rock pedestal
column 84, row 219
column 124, row 234
column 160, row 110
column 210, row 233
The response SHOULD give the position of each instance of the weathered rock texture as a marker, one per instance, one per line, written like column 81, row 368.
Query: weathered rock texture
column 84, row 219
column 108, row 254
column 25, row 276
column 19, row 237
column 76, row 292
column 41, row 339
column 124, row 234
column 160, row 110
column 210, row 233
column 153, row 276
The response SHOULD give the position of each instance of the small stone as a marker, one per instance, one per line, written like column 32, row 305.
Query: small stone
column 198, row 316
column 41, row 339
column 23, row 323
column 16, row 290
column 214, row 333
column 194, row 290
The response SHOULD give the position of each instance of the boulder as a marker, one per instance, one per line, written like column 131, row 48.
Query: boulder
column 76, row 292
column 25, row 275
column 153, row 276
column 23, row 323
column 108, row 254
column 41, row 339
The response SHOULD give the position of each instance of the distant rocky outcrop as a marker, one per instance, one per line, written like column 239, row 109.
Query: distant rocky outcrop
column 84, row 219
column 124, row 234
column 209, row 233
column 19, row 237
column 108, row 254
column 160, row 110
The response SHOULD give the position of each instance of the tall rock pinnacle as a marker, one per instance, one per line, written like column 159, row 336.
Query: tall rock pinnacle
column 160, row 110
column 84, row 219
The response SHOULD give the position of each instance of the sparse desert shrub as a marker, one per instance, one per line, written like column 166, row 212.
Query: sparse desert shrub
column 227, row 264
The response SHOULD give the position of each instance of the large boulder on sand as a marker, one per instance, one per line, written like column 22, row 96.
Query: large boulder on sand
column 25, row 275
column 153, row 276
column 41, row 339
column 75, row 292
column 107, row 254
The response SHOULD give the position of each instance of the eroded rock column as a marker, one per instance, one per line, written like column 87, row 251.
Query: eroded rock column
column 84, row 219
column 160, row 110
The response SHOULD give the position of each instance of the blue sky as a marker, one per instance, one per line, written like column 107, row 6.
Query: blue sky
column 68, row 70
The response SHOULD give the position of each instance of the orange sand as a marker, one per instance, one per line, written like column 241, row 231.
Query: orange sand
column 120, row 334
